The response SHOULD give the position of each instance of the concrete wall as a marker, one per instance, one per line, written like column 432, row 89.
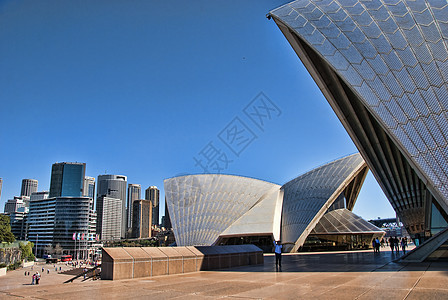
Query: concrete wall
column 137, row 262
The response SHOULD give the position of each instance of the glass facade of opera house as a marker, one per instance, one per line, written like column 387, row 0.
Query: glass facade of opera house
column 383, row 67
column 311, row 211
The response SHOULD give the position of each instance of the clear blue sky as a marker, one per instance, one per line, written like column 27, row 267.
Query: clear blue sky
column 140, row 88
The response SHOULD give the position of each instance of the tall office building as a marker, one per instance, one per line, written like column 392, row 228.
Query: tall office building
column 134, row 193
column 55, row 220
column 109, row 218
column 113, row 186
column 67, row 179
column 29, row 186
column 1, row 183
column 152, row 193
column 141, row 219
column 41, row 223
column 19, row 223
column 166, row 220
column 89, row 188
column 55, row 217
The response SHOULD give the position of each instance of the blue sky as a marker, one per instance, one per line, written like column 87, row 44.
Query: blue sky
column 141, row 88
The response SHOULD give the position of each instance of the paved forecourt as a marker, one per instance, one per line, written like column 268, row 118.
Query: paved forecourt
column 334, row 275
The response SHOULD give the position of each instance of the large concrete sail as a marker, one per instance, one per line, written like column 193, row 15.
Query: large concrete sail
column 383, row 67
column 201, row 207
column 307, row 197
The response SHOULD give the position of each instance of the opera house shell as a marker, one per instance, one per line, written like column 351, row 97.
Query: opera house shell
column 216, row 209
column 383, row 67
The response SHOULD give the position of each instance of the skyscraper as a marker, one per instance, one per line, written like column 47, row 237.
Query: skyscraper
column 113, row 186
column 109, row 218
column 1, row 183
column 56, row 220
column 89, row 188
column 134, row 193
column 67, row 179
column 29, row 186
column 167, row 220
column 152, row 193
column 141, row 219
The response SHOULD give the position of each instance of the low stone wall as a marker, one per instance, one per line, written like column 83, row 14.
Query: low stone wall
column 28, row 264
column 137, row 262
column 3, row 271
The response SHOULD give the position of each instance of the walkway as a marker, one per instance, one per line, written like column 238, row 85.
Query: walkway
column 336, row 275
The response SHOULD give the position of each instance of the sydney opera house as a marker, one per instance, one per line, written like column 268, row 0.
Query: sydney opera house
column 310, row 212
column 383, row 67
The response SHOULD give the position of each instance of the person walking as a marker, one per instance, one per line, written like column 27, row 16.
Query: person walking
column 34, row 278
column 391, row 243
column 278, row 254
column 377, row 245
column 404, row 243
column 397, row 245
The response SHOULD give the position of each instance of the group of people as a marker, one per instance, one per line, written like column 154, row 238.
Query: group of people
column 376, row 245
column 35, row 278
column 395, row 244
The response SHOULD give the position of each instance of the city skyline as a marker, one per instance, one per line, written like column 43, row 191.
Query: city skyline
column 96, row 75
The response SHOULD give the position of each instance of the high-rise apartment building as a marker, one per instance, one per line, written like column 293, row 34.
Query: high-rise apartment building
column 152, row 193
column 141, row 219
column 134, row 193
column 113, row 186
column 67, row 179
column 29, row 186
column 109, row 218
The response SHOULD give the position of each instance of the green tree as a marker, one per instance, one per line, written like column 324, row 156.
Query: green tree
column 5, row 230
column 27, row 251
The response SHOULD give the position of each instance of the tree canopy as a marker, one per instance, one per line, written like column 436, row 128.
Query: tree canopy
column 5, row 230
column 27, row 250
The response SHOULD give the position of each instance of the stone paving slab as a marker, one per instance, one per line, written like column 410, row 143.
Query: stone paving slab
column 344, row 275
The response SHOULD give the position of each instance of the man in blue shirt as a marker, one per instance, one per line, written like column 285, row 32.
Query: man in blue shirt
column 278, row 254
